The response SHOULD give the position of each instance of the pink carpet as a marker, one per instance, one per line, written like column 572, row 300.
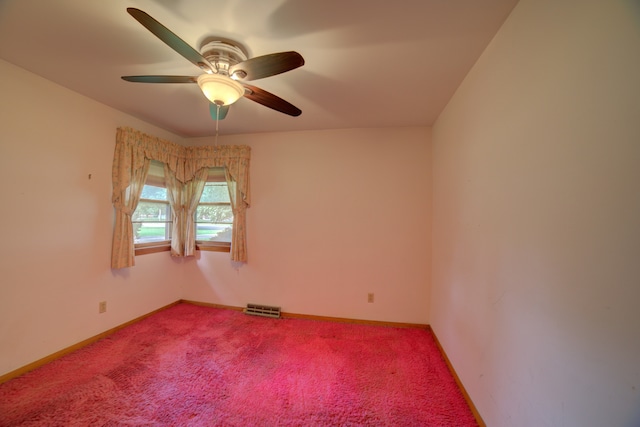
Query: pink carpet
column 193, row 366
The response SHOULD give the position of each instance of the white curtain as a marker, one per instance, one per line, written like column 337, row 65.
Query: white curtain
column 186, row 166
column 184, row 199
column 125, row 202
column 238, row 232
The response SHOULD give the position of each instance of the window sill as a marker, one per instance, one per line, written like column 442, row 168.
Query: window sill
column 165, row 247
column 144, row 250
column 214, row 247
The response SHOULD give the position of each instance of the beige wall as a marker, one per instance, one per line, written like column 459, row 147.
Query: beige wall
column 536, row 278
column 56, row 224
column 335, row 215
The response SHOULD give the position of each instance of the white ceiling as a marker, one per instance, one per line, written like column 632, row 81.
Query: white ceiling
column 368, row 63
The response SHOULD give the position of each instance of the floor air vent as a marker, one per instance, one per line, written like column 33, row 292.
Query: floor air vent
column 262, row 310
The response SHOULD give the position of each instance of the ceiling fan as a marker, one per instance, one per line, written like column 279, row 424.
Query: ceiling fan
column 226, row 69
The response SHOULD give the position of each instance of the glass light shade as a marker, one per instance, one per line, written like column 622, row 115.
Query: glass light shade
column 220, row 89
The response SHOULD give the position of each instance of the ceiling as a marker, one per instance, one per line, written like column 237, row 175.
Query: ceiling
column 368, row 63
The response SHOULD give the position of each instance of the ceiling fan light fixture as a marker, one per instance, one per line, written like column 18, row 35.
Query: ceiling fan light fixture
column 220, row 89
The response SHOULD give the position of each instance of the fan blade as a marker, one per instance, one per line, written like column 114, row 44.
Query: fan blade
column 267, row 65
column 267, row 99
column 160, row 79
column 213, row 110
column 173, row 41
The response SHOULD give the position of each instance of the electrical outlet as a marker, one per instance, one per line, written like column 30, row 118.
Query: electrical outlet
column 370, row 297
column 102, row 307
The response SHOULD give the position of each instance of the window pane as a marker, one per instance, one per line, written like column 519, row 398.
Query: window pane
column 145, row 232
column 214, row 214
column 213, row 232
column 152, row 212
column 152, row 220
column 215, row 192
column 154, row 193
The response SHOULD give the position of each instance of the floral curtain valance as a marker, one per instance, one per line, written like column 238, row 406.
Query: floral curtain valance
column 134, row 148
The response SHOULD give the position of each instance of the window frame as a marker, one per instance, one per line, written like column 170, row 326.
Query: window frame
column 216, row 175
column 155, row 178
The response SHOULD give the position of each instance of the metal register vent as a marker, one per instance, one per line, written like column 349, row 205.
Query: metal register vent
column 262, row 310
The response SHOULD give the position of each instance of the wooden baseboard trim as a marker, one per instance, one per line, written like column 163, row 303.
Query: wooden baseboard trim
column 285, row 315
column 357, row 321
column 466, row 396
column 212, row 305
column 58, row 354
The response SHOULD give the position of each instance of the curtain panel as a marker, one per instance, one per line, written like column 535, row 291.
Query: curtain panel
column 132, row 154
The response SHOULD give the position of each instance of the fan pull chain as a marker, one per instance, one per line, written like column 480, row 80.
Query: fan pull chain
column 217, row 119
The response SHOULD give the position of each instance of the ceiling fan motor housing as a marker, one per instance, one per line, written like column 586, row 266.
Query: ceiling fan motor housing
column 223, row 54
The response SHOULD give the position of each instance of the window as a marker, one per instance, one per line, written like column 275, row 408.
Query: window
column 133, row 152
column 152, row 218
column 214, row 216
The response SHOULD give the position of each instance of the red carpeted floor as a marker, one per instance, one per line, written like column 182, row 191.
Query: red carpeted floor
column 199, row 366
